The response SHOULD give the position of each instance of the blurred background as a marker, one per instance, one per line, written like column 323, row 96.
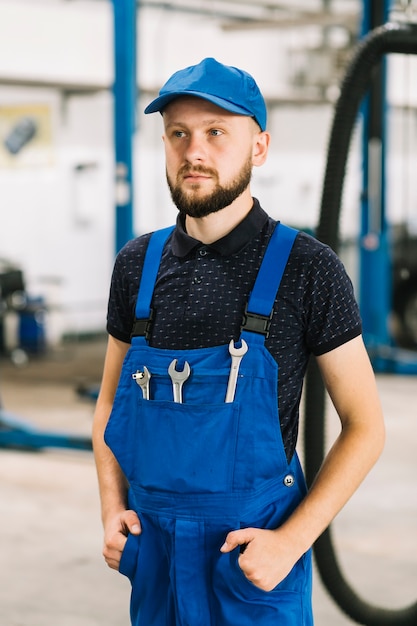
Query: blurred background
column 82, row 171
column 58, row 175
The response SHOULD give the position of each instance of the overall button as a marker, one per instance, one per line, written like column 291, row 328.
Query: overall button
column 203, row 252
column 289, row 480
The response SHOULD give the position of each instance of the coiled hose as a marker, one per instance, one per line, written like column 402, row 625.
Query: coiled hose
column 389, row 38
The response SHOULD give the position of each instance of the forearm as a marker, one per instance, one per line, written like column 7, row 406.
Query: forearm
column 111, row 480
column 348, row 462
column 118, row 520
column 112, row 483
column 350, row 381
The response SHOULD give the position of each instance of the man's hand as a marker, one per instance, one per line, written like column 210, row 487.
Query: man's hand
column 265, row 558
column 115, row 536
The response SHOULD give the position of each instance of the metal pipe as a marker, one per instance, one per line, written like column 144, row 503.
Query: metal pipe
column 125, row 97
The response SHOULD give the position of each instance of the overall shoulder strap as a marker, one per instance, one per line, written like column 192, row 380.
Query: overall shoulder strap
column 150, row 269
column 261, row 301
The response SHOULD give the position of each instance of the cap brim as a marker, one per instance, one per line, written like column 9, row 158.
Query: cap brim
column 161, row 102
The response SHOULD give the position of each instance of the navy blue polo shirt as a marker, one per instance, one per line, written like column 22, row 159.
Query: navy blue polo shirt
column 202, row 290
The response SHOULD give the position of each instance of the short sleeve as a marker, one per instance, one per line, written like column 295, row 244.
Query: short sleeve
column 330, row 305
column 124, row 288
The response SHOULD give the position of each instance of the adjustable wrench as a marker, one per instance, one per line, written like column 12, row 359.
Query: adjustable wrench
column 236, row 354
column 178, row 378
column 142, row 379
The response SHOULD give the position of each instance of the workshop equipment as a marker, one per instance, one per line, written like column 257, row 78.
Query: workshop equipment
column 143, row 379
column 178, row 378
column 237, row 355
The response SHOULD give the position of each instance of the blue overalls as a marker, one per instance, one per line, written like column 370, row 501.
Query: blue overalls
column 201, row 468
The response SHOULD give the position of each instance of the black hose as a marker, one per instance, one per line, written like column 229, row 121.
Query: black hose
column 389, row 38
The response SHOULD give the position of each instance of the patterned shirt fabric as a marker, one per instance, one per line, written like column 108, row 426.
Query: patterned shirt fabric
column 201, row 292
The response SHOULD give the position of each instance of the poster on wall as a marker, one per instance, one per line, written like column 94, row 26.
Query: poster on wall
column 25, row 136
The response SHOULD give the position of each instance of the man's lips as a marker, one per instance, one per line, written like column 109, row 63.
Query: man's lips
column 195, row 177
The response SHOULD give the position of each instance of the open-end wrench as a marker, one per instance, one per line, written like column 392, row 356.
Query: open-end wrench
column 178, row 378
column 236, row 354
column 142, row 379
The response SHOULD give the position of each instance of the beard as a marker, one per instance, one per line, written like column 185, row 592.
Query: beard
column 222, row 196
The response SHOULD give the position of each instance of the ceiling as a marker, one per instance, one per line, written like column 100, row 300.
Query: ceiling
column 250, row 14
column 238, row 14
column 314, row 72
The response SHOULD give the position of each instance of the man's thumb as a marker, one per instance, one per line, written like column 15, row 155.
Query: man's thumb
column 133, row 523
column 236, row 538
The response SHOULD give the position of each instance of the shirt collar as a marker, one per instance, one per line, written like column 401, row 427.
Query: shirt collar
column 238, row 238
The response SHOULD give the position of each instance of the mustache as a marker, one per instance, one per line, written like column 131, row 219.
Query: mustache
column 186, row 170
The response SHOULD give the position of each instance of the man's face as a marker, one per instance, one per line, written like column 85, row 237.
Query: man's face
column 208, row 155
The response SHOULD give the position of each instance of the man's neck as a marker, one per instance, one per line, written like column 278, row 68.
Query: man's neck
column 217, row 225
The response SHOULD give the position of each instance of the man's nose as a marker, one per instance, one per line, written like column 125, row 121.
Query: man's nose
column 196, row 150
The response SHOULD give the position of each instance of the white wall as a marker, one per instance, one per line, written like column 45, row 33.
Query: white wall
column 57, row 218
column 56, row 40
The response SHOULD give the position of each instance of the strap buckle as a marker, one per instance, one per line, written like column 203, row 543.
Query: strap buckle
column 255, row 323
column 143, row 327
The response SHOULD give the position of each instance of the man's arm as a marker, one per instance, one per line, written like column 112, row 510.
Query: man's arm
column 117, row 520
column 350, row 381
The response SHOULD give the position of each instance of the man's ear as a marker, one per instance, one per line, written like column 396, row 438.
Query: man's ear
column 260, row 148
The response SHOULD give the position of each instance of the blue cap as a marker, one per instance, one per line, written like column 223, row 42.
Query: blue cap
column 228, row 87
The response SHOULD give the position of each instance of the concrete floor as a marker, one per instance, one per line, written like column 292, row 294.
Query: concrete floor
column 52, row 572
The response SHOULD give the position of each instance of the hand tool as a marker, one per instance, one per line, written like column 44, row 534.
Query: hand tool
column 178, row 378
column 142, row 379
column 236, row 354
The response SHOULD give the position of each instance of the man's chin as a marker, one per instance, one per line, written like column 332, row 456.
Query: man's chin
column 196, row 192
column 194, row 200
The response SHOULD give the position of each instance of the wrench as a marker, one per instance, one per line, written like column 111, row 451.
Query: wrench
column 236, row 354
column 142, row 379
column 178, row 378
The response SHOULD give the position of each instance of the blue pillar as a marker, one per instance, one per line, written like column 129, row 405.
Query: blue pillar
column 125, row 97
column 375, row 269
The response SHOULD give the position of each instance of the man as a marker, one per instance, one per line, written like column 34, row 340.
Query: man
column 203, row 502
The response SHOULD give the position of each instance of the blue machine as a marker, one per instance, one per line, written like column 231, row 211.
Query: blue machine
column 376, row 289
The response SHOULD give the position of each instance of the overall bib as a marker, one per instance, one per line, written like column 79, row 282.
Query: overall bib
column 201, row 468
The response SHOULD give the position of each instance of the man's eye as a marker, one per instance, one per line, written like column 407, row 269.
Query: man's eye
column 179, row 133
column 215, row 132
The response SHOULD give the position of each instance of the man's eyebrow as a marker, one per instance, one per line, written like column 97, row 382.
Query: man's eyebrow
column 208, row 122
column 176, row 124
column 216, row 120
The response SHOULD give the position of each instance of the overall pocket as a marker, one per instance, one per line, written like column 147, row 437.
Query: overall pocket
column 184, row 448
column 246, row 604
column 129, row 558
